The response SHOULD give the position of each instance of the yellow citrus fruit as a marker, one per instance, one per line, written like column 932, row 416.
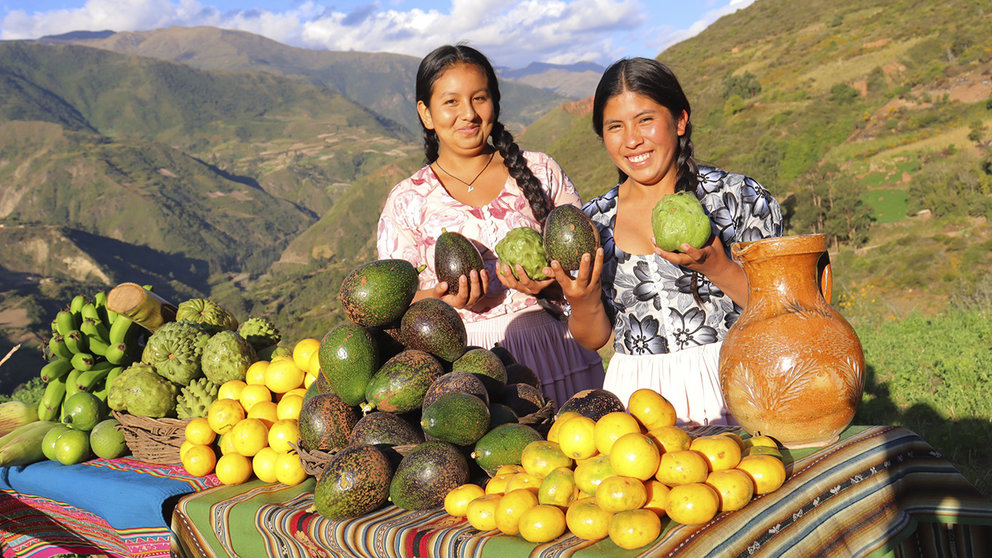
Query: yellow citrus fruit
column 231, row 389
column 457, row 500
column 300, row 391
column 735, row 437
column 254, row 393
column 497, row 484
column 734, row 486
column 542, row 523
column 767, row 472
column 720, row 452
column 657, row 497
column 223, row 414
column 670, row 438
column 511, row 506
column 289, row 470
column 314, row 367
column 184, row 447
column 763, row 450
column 611, row 426
column 588, row 474
column 540, row 457
column 586, row 520
column 256, row 372
column 283, row 376
column 226, row 444
column 634, row 528
column 682, row 467
column 693, row 503
column 761, row 440
column 309, row 379
column 233, row 468
column 281, row 433
column 509, row 469
column 199, row 460
column 263, row 464
column 558, row 488
column 617, row 494
column 249, row 436
column 481, row 512
column 266, row 411
column 577, row 438
column 635, row 455
column 523, row 480
column 198, row 431
column 289, row 407
column 303, row 350
column 556, row 425
column 651, row 409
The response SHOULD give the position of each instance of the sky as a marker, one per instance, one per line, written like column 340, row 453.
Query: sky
column 512, row 33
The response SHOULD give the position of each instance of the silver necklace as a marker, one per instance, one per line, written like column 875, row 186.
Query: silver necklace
column 471, row 182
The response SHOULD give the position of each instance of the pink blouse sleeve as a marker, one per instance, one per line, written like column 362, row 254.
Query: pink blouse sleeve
column 559, row 186
column 396, row 233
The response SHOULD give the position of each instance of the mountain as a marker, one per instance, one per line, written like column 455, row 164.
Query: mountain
column 382, row 82
column 575, row 81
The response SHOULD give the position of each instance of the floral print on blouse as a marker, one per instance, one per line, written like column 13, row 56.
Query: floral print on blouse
column 418, row 208
column 649, row 299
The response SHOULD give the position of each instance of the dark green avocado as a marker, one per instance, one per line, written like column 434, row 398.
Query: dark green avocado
column 454, row 256
column 434, row 326
column 426, row 475
column 377, row 293
column 568, row 234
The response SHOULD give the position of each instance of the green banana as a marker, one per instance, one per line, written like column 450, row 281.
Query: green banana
column 89, row 312
column 14, row 414
column 77, row 303
column 76, row 341
column 88, row 380
column 100, row 299
column 55, row 369
column 95, row 328
column 112, row 375
column 51, row 400
column 83, row 361
column 24, row 447
column 97, row 346
column 64, row 322
column 57, row 346
column 71, row 387
column 120, row 330
column 116, row 354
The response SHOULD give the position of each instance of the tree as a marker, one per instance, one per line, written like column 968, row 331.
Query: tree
column 829, row 202
column 746, row 85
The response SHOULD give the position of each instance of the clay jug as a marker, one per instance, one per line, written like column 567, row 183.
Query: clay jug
column 791, row 367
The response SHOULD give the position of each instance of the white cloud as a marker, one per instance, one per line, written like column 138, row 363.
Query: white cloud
column 669, row 36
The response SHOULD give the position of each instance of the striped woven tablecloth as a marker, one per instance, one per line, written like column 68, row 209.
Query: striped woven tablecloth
column 113, row 507
column 880, row 490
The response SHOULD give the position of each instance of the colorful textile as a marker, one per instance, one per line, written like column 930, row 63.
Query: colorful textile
column 880, row 490
column 117, row 507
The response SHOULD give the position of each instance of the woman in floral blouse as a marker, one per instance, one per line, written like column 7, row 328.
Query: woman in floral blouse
column 668, row 312
column 479, row 183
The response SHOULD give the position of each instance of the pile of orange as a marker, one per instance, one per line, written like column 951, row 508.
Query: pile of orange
column 248, row 429
column 618, row 476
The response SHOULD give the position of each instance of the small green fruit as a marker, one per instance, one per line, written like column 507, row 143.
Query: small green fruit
column 83, row 411
column 106, row 440
column 72, row 446
column 679, row 218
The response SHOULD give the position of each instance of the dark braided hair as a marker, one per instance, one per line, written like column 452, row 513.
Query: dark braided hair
column 655, row 81
column 431, row 68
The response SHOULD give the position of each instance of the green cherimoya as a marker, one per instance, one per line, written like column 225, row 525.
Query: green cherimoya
column 524, row 246
column 213, row 316
column 679, row 218
column 195, row 399
column 260, row 332
column 226, row 356
column 140, row 391
column 175, row 350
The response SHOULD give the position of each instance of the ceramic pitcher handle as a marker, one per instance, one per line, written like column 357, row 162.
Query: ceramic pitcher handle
column 826, row 277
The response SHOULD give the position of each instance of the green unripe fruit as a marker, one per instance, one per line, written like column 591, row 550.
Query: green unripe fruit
column 524, row 246
column 679, row 218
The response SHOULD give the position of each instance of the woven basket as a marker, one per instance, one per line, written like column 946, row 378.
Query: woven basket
column 153, row 440
column 541, row 419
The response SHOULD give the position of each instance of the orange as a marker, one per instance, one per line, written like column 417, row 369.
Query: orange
column 763, row 450
column 289, row 470
column 226, row 444
column 231, row 389
column 617, row 494
column 481, row 512
column 589, row 474
column 303, row 351
column 586, row 520
column 313, row 368
column 511, row 506
column 289, row 406
column 576, row 437
column 634, row 528
column 497, row 484
column 254, row 393
column 635, row 455
column 198, row 431
column 283, row 375
column 651, row 409
column 682, row 467
column 509, row 469
column 540, row 457
column 558, row 488
column 767, row 472
column 735, row 437
column 199, row 460
column 233, row 468
column 611, row 426
column 223, row 414
column 523, row 480
column 542, row 523
column 720, row 452
column 670, row 438
column 282, row 433
column 734, row 487
column 263, row 464
column 266, row 411
column 761, row 440
column 457, row 500
column 556, row 425
column 249, row 436
column 256, row 372
column 657, row 497
column 183, row 448
column 693, row 503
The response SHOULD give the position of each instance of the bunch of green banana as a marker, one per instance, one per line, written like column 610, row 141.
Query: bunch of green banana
column 22, row 446
column 90, row 346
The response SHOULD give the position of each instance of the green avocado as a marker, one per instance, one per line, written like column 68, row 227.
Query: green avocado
column 458, row 418
column 402, row 381
column 679, row 218
column 503, row 445
column 348, row 356
column 354, row 482
column 426, row 475
column 568, row 234
column 434, row 326
column 485, row 365
column 377, row 293
column 454, row 256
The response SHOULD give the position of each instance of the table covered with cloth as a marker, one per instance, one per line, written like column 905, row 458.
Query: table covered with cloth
column 879, row 490
column 113, row 507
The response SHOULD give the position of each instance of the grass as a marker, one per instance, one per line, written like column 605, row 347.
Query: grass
column 887, row 206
